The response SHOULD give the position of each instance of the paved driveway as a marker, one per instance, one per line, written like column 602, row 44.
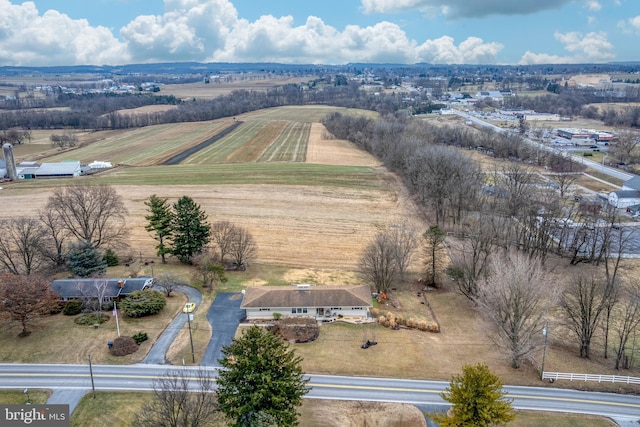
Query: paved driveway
column 157, row 354
column 224, row 316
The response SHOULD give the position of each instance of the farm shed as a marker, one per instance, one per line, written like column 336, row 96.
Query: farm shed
column 68, row 289
column 624, row 198
column 58, row 170
column 325, row 303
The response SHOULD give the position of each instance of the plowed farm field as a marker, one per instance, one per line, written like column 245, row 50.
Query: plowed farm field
column 315, row 214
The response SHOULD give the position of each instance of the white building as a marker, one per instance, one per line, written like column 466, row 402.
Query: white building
column 324, row 303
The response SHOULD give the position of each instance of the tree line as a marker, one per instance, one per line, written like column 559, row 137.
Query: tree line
column 506, row 223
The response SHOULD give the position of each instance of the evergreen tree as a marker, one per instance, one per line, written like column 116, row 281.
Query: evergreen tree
column 160, row 223
column 191, row 232
column 84, row 260
column 262, row 382
column 477, row 399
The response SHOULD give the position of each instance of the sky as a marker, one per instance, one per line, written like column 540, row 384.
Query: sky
column 116, row 32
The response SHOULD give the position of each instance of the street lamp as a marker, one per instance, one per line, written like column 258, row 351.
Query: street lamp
column 26, row 391
column 544, row 349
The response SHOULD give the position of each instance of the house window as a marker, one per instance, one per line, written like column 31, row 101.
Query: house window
column 298, row 310
column 336, row 308
column 356, row 308
column 265, row 309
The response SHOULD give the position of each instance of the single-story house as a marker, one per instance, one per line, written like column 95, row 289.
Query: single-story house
column 624, row 198
column 325, row 303
column 68, row 289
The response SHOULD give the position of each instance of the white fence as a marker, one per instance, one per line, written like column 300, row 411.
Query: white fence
column 590, row 377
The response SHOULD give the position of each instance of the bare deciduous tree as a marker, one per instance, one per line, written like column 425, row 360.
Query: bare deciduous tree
column 181, row 399
column 434, row 251
column 222, row 234
column 515, row 297
column 24, row 297
column 58, row 235
column 91, row 213
column 208, row 271
column 243, row 248
column 583, row 301
column 378, row 265
column 405, row 242
column 21, row 243
column 94, row 294
column 169, row 282
column 626, row 321
column 471, row 257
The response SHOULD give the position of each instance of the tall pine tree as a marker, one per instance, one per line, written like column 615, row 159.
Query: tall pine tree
column 262, row 383
column 191, row 232
column 160, row 223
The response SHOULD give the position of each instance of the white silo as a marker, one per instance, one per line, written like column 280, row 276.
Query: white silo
column 7, row 152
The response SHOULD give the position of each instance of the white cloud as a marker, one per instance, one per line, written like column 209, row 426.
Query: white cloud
column 594, row 5
column 465, row 8
column 28, row 38
column 210, row 30
column 635, row 22
column 591, row 47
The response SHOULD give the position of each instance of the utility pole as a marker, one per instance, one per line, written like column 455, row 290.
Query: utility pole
column 193, row 356
column 93, row 387
column 544, row 349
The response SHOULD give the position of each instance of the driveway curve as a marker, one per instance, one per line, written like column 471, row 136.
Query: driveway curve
column 224, row 316
column 157, row 354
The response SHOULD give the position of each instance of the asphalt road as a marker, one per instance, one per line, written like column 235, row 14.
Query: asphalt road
column 421, row 393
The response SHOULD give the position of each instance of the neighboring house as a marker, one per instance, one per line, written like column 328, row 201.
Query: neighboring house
column 325, row 303
column 68, row 289
column 632, row 184
column 624, row 198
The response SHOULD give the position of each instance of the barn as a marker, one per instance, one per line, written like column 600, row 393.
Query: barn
column 624, row 198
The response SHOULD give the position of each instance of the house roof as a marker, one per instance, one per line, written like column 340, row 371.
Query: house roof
column 627, row 194
column 76, row 288
column 313, row 296
column 63, row 168
column 633, row 183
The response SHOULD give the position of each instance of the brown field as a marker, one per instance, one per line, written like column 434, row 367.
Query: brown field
column 214, row 89
column 148, row 109
column 323, row 151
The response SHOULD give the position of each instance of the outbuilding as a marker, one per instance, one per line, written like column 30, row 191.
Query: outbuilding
column 624, row 198
column 111, row 289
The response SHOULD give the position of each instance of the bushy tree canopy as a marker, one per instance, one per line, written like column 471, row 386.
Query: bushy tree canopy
column 143, row 303
column 262, row 383
column 84, row 260
column 477, row 399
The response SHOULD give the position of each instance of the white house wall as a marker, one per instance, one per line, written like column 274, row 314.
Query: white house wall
column 257, row 313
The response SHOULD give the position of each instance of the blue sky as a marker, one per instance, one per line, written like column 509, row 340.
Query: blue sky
column 74, row 32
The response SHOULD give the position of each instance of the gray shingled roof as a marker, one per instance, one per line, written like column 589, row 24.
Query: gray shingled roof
column 76, row 288
column 633, row 183
column 627, row 194
column 314, row 296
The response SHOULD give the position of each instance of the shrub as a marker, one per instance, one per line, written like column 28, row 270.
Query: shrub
column 56, row 308
column 123, row 346
column 71, row 308
column 382, row 319
column 110, row 258
column 143, row 303
column 411, row 323
column 399, row 319
column 422, row 325
column 375, row 312
column 91, row 319
column 277, row 316
column 140, row 337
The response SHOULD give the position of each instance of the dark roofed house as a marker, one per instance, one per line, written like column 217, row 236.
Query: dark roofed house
column 322, row 302
column 624, row 198
column 632, row 184
column 68, row 289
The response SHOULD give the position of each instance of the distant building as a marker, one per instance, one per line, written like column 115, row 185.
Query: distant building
column 68, row 289
column 624, row 198
column 31, row 170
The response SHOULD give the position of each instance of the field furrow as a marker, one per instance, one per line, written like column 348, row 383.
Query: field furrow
column 255, row 147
